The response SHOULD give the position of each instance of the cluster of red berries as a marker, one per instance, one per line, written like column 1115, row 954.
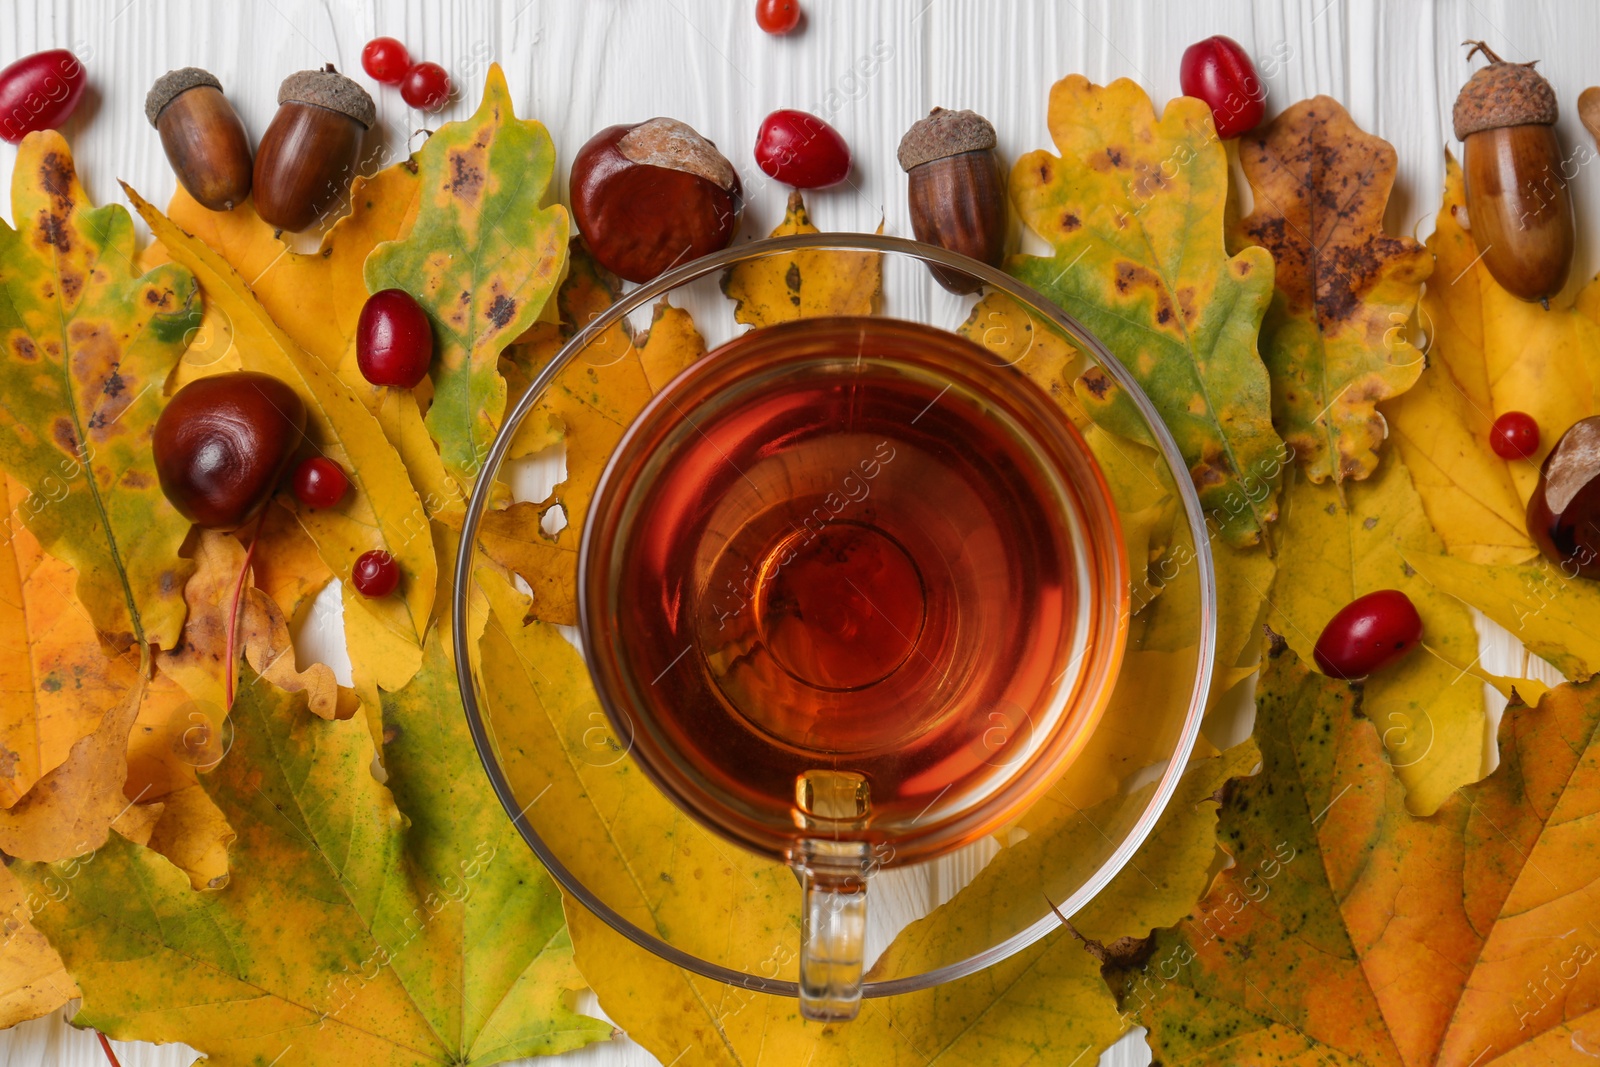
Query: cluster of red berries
column 425, row 86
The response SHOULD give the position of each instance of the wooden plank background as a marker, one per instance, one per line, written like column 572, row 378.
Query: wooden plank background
column 870, row 68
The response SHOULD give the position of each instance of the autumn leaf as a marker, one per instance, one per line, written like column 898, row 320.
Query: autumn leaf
column 382, row 510
column 33, row 981
column 325, row 945
column 804, row 284
column 1490, row 353
column 1549, row 611
column 482, row 258
column 1348, row 931
column 88, row 343
column 1037, row 348
column 56, row 682
column 589, row 405
column 1334, row 338
column 1133, row 207
column 1340, row 545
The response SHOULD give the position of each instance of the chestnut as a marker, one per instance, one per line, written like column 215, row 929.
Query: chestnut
column 222, row 443
column 201, row 133
column 957, row 196
column 309, row 153
column 1564, row 511
column 653, row 195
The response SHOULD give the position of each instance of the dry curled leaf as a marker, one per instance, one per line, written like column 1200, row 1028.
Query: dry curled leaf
column 1133, row 208
column 1334, row 339
column 804, row 284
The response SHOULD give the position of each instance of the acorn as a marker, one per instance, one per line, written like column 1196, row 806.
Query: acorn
column 309, row 153
column 1518, row 205
column 957, row 195
column 204, row 140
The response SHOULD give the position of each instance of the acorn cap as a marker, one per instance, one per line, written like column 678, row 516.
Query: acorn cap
column 330, row 89
column 174, row 82
column 944, row 133
column 1503, row 94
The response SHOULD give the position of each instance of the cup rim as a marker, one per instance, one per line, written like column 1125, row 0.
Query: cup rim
column 992, row 278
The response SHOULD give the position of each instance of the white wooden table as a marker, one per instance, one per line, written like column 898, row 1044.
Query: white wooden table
column 870, row 68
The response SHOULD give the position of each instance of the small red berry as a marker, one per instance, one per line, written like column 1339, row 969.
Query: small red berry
column 1218, row 71
column 375, row 574
column 1515, row 436
column 1367, row 634
column 39, row 92
column 319, row 482
column 394, row 341
column 386, row 60
column 426, row 87
column 777, row 17
column 801, row 150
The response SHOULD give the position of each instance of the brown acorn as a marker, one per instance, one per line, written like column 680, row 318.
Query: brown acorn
column 204, row 140
column 1518, row 205
column 309, row 153
column 957, row 195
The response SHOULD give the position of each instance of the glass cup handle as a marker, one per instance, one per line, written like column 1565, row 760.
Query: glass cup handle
column 833, row 926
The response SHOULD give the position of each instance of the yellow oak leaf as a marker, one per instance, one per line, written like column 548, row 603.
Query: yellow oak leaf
column 1489, row 353
column 1037, row 348
column 1334, row 338
column 56, row 681
column 804, row 284
column 1429, row 713
column 33, row 981
column 1133, row 210
column 382, row 510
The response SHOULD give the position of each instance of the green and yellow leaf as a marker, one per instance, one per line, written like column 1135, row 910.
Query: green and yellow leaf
column 88, row 343
column 1133, row 207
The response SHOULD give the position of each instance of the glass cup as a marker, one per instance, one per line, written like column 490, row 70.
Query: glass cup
column 854, row 595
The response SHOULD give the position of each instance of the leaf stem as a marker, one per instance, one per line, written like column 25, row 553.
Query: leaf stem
column 106, row 1045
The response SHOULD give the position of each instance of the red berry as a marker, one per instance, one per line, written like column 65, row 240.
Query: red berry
column 319, row 482
column 426, row 87
column 394, row 341
column 386, row 60
column 1515, row 436
column 39, row 92
column 801, row 150
column 375, row 574
column 777, row 17
column 1218, row 71
column 1367, row 634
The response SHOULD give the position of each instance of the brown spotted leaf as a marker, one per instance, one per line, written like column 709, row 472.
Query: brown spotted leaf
column 1334, row 339
column 801, row 285
column 482, row 259
column 88, row 343
column 1133, row 208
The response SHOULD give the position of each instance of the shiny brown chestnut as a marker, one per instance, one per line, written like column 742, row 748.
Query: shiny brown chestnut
column 309, row 153
column 957, row 196
column 653, row 195
column 1564, row 511
column 1518, row 205
column 204, row 140
column 222, row 443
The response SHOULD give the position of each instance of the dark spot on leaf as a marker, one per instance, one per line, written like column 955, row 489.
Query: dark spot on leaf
column 24, row 349
column 791, row 278
column 51, row 683
column 113, row 384
column 136, row 480
column 1095, row 380
column 1164, row 315
column 65, row 437
column 502, row 310
column 168, row 583
column 466, row 180
column 53, row 231
column 1407, row 569
column 1369, row 522
column 55, row 175
column 1070, row 222
column 1044, row 173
